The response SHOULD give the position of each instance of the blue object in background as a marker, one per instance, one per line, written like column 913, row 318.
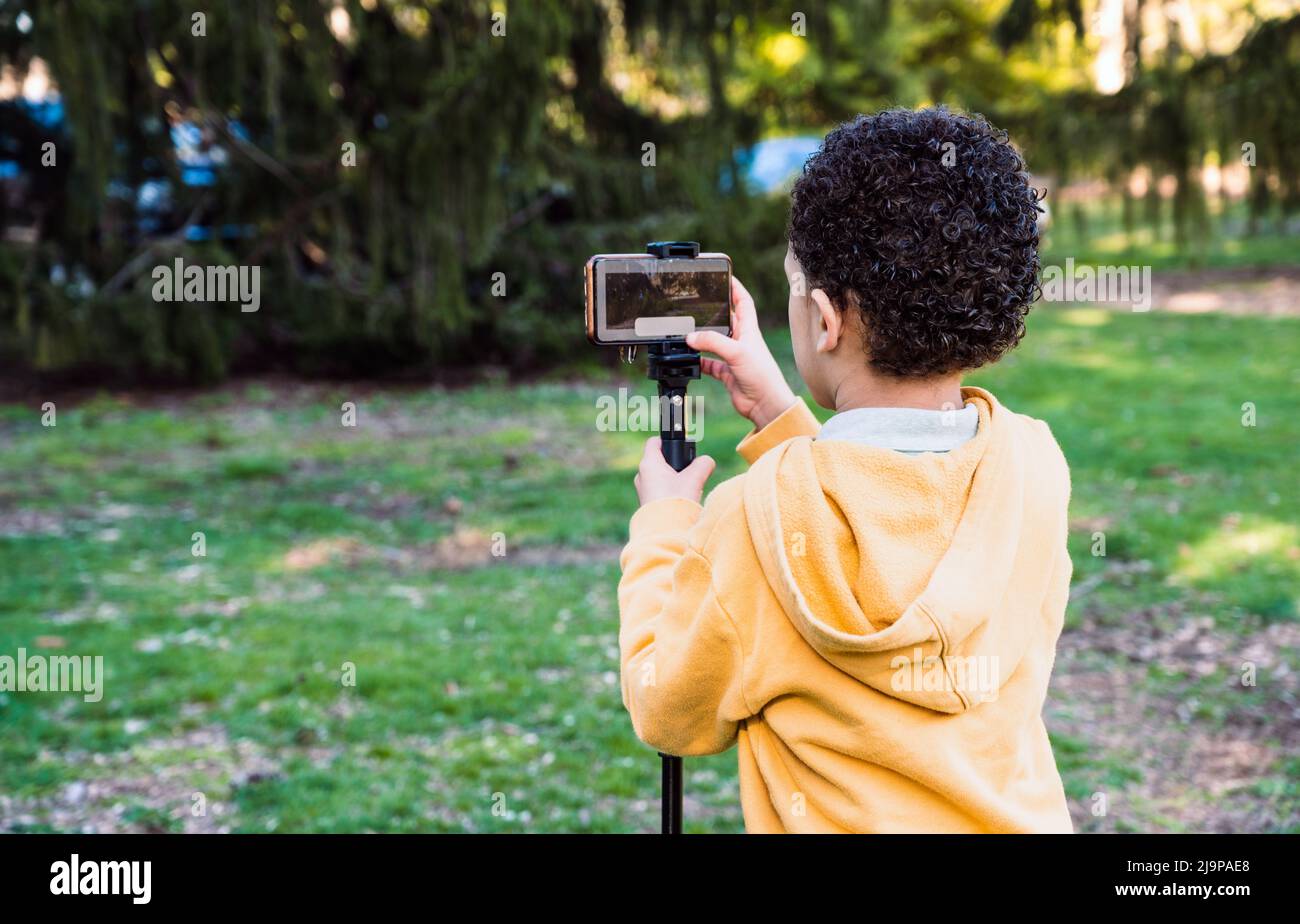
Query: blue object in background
column 47, row 113
column 769, row 164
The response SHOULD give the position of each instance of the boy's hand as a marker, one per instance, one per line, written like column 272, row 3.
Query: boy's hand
column 656, row 479
column 747, row 367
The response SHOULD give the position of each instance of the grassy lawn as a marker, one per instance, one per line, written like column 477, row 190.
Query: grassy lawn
column 486, row 695
column 1093, row 232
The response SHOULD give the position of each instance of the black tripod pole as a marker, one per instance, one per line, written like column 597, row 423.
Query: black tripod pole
column 673, row 365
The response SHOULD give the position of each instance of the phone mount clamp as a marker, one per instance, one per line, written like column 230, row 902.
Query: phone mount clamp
column 673, row 365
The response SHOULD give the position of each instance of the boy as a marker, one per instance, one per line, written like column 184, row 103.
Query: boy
column 871, row 611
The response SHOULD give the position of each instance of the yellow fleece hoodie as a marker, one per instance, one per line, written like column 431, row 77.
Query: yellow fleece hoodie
column 875, row 630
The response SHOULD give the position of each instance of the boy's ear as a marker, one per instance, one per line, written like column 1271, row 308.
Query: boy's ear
column 827, row 320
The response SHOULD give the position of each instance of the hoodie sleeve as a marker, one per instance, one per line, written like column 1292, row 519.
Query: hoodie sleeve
column 796, row 420
column 680, row 654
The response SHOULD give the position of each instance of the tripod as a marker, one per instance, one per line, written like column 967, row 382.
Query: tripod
column 673, row 365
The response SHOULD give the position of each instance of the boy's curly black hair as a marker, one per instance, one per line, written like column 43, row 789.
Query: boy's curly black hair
column 942, row 261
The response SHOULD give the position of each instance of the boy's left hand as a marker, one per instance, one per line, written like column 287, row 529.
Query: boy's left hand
column 656, row 479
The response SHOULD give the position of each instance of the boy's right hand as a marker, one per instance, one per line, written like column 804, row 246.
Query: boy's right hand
column 746, row 366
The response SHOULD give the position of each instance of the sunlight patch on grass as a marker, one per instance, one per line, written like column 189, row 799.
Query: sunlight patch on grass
column 630, row 449
column 1235, row 547
column 1112, row 242
column 1100, row 361
column 1086, row 317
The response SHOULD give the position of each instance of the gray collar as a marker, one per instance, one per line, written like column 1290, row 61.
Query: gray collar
column 904, row 429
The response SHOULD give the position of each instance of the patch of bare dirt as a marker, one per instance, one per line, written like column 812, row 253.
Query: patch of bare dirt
column 321, row 552
column 1196, row 773
column 106, row 518
column 472, row 549
column 17, row 524
column 1251, row 290
column 1245, row 290
column 178, row 784
column 462, row 550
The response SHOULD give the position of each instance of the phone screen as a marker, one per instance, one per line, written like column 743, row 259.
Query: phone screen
column 646, row 298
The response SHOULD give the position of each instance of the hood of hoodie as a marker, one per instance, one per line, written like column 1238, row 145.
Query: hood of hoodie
column 928, row 570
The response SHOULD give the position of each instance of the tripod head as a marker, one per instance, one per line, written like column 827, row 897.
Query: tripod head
column 673, row 365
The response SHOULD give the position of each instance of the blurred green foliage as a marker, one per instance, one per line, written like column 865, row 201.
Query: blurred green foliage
column 509, row 138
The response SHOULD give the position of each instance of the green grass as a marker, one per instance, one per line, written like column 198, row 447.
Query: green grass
column 486, row 697
column 1093, row 233
column 1149, row 410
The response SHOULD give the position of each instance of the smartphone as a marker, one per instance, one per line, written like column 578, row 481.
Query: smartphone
column 639, row 298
